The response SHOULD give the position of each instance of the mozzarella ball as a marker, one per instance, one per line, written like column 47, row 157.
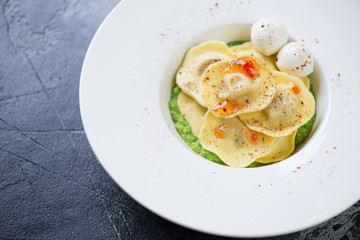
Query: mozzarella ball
column 268, row 36
column 296, row 59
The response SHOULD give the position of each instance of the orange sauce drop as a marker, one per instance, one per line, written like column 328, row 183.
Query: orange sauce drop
column 225, row 108
column 221, row 131
column 244, row 65
column 296, row 90
column 251, row 135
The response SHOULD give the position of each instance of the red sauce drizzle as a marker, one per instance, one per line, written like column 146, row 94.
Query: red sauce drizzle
column 221, row 131
column 225, row 108
column 251, row 135
column 244, row 65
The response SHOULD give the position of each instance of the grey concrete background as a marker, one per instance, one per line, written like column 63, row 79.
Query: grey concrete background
column 51, row 184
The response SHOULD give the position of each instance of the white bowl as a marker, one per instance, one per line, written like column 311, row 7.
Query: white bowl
column 125, row 87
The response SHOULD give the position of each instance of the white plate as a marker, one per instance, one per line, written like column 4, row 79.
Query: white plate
column 125, row 87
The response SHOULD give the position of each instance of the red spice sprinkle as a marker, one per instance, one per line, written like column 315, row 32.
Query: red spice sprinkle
column 224, row 109
column 338, row 74
column 334, row 147
column 292, row 69
column 298, row 167
column 216, row 4
column 244, row 65
column 299, row 116
column 297, row 68
column 183, row 115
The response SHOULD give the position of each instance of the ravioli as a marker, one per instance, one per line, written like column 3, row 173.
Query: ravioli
column 232, row 141
column 248, row 48
column 292, row 106
column 281, row 148
column 237, row 86
column 238, row 108
column 196, row 61
column 192, row 111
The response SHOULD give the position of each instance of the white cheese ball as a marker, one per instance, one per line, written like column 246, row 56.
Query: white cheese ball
column 295, row 59
column 268, row 36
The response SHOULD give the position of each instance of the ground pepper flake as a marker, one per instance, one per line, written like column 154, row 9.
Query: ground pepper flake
column 338, row 74
column 298, row 167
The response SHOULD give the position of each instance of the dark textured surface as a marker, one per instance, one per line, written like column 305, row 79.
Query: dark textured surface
column 51, row 184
